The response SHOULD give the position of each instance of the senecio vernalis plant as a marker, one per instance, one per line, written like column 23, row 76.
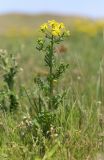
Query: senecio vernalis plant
column 53, row 34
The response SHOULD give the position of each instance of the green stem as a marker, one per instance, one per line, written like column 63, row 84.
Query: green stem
column 51, row 72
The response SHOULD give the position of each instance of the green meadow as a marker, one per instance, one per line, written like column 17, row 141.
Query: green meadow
column 74, row 130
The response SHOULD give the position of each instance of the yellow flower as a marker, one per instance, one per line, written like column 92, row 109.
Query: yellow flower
column 44, row 27
column 54, row 28
column 56, row 32
column 61, row 26
column 52, row 23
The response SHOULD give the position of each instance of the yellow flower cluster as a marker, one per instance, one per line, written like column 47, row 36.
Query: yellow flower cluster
column 55, row 28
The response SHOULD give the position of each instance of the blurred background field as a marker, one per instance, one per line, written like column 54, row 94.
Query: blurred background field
column 28, row 25
column 83, row 50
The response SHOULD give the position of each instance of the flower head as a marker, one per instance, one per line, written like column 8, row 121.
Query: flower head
column 56, row 31
column 52, row 23
column 44, row 27
column 54, row 28
column 61, row 26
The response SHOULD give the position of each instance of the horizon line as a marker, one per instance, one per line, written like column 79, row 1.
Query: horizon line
column 51, row 13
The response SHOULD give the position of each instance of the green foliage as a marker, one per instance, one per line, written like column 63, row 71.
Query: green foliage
column 10, row 68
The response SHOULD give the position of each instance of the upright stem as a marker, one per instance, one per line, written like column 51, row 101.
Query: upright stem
column 51, row 72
